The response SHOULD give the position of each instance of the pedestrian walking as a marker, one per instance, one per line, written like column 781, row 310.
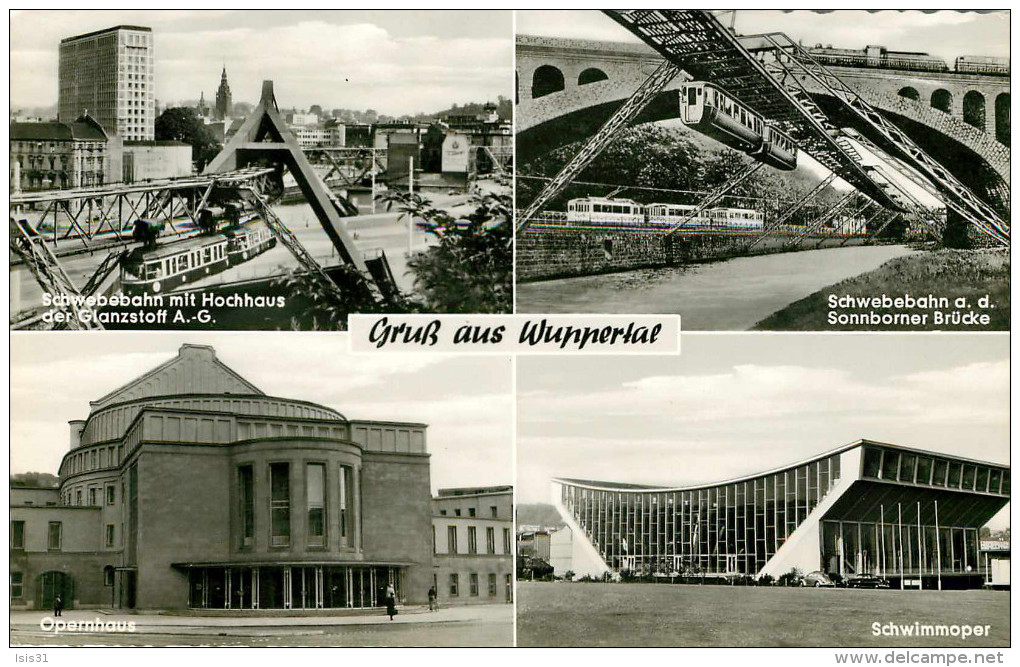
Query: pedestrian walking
column 58, row 604
column 432, row 599
column 391, row 601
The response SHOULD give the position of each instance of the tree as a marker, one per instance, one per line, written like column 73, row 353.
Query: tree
column 35, row 480
column 183, row 124
column 470, row 270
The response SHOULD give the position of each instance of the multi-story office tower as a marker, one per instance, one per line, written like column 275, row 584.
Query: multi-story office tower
column 110, row 75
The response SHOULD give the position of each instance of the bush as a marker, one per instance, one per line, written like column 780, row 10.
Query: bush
column 470, row 270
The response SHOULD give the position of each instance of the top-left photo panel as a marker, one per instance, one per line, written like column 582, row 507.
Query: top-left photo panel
column 258, row 170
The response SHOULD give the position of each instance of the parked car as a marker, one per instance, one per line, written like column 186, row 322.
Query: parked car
column 866, row 581
column 817, row 579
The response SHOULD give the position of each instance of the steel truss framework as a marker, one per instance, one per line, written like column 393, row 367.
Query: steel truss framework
column 350, row 164
column 43, row 264
column 89, row 212
column 770, row 81
column 287, row 238
column 746, row 172
column 645, row 93
column 785, row 58
column 820, row 221
column 790, row 211
column 700, row 45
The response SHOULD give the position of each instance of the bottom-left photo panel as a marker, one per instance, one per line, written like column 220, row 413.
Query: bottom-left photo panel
column 238, row 489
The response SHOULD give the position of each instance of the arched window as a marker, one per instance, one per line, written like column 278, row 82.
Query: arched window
column 910, row 93
column 547, row 79
column 591, row 75
column 1002, row 118
column 974, row 109
column 942, row 100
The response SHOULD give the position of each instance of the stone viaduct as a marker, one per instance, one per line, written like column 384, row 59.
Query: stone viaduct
column 566, row 88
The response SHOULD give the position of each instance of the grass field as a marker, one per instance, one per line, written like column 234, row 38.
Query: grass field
column 971, row 274
column 564, row 614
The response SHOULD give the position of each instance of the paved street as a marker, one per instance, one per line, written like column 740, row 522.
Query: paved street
column 483, row 625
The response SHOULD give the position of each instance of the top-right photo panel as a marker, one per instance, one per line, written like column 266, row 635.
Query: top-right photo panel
column 765, row 170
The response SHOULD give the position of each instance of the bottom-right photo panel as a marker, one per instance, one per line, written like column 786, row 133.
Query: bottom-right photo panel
column 767, row 490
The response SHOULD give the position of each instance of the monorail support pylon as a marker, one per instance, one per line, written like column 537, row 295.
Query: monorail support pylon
column 874, row 216
column 796, row 63
column 824, row 218
column 893, row 216
column 746, row 172
column 788, row 213
column 43, row 264
column 645, row 93
column 265, row 136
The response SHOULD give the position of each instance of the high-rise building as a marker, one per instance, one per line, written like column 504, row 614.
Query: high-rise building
column 110, row 75
column 224, row 104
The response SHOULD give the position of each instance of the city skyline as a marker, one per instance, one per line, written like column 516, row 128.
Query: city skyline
column 732, row 405
column 466, row 401
column 397, row 63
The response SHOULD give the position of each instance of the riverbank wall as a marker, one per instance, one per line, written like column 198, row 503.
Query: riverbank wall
column 545, row 254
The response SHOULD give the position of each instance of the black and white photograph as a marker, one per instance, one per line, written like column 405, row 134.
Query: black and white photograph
column 767, row 491
column 771, row 170
column 269, row 489
column 496, row 328
column 252, row 170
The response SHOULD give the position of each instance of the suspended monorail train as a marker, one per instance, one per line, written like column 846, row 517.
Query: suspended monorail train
column 715, row 113
column 162, row 268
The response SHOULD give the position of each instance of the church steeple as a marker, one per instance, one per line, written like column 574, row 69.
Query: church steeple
column 224, row 104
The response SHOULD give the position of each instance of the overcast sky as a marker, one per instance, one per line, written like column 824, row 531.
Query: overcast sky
column 947, row 34
column 732, row 405
column 395, row 62
column 466, row 400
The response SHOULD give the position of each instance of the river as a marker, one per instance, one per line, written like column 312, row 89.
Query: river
column 732, row 295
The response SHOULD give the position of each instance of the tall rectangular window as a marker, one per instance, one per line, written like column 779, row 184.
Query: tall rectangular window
column 279, row 508
column 246, row 497
column 53, row 540
column 17, row 584
column 472, row 540
column 111, row 494
column 494, row 512
column 454, row 586
column 92, row 496
column 451, row 539
column 346, row 506
column 474, row 584
column 506, row 540
column 111, row 534
column 492, row 584
column 490, row 540
column 315, row 492
column 17, row 534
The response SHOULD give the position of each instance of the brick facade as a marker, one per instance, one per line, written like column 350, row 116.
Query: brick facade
column 196, row 489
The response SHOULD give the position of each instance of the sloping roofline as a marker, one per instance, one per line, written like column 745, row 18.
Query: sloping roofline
column 168, row 362
column 637, row 488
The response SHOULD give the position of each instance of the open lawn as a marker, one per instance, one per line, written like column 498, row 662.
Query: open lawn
column 969, row 274
column 588, row 614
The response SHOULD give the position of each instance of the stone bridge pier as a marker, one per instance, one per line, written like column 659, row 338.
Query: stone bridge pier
column 566, row 88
